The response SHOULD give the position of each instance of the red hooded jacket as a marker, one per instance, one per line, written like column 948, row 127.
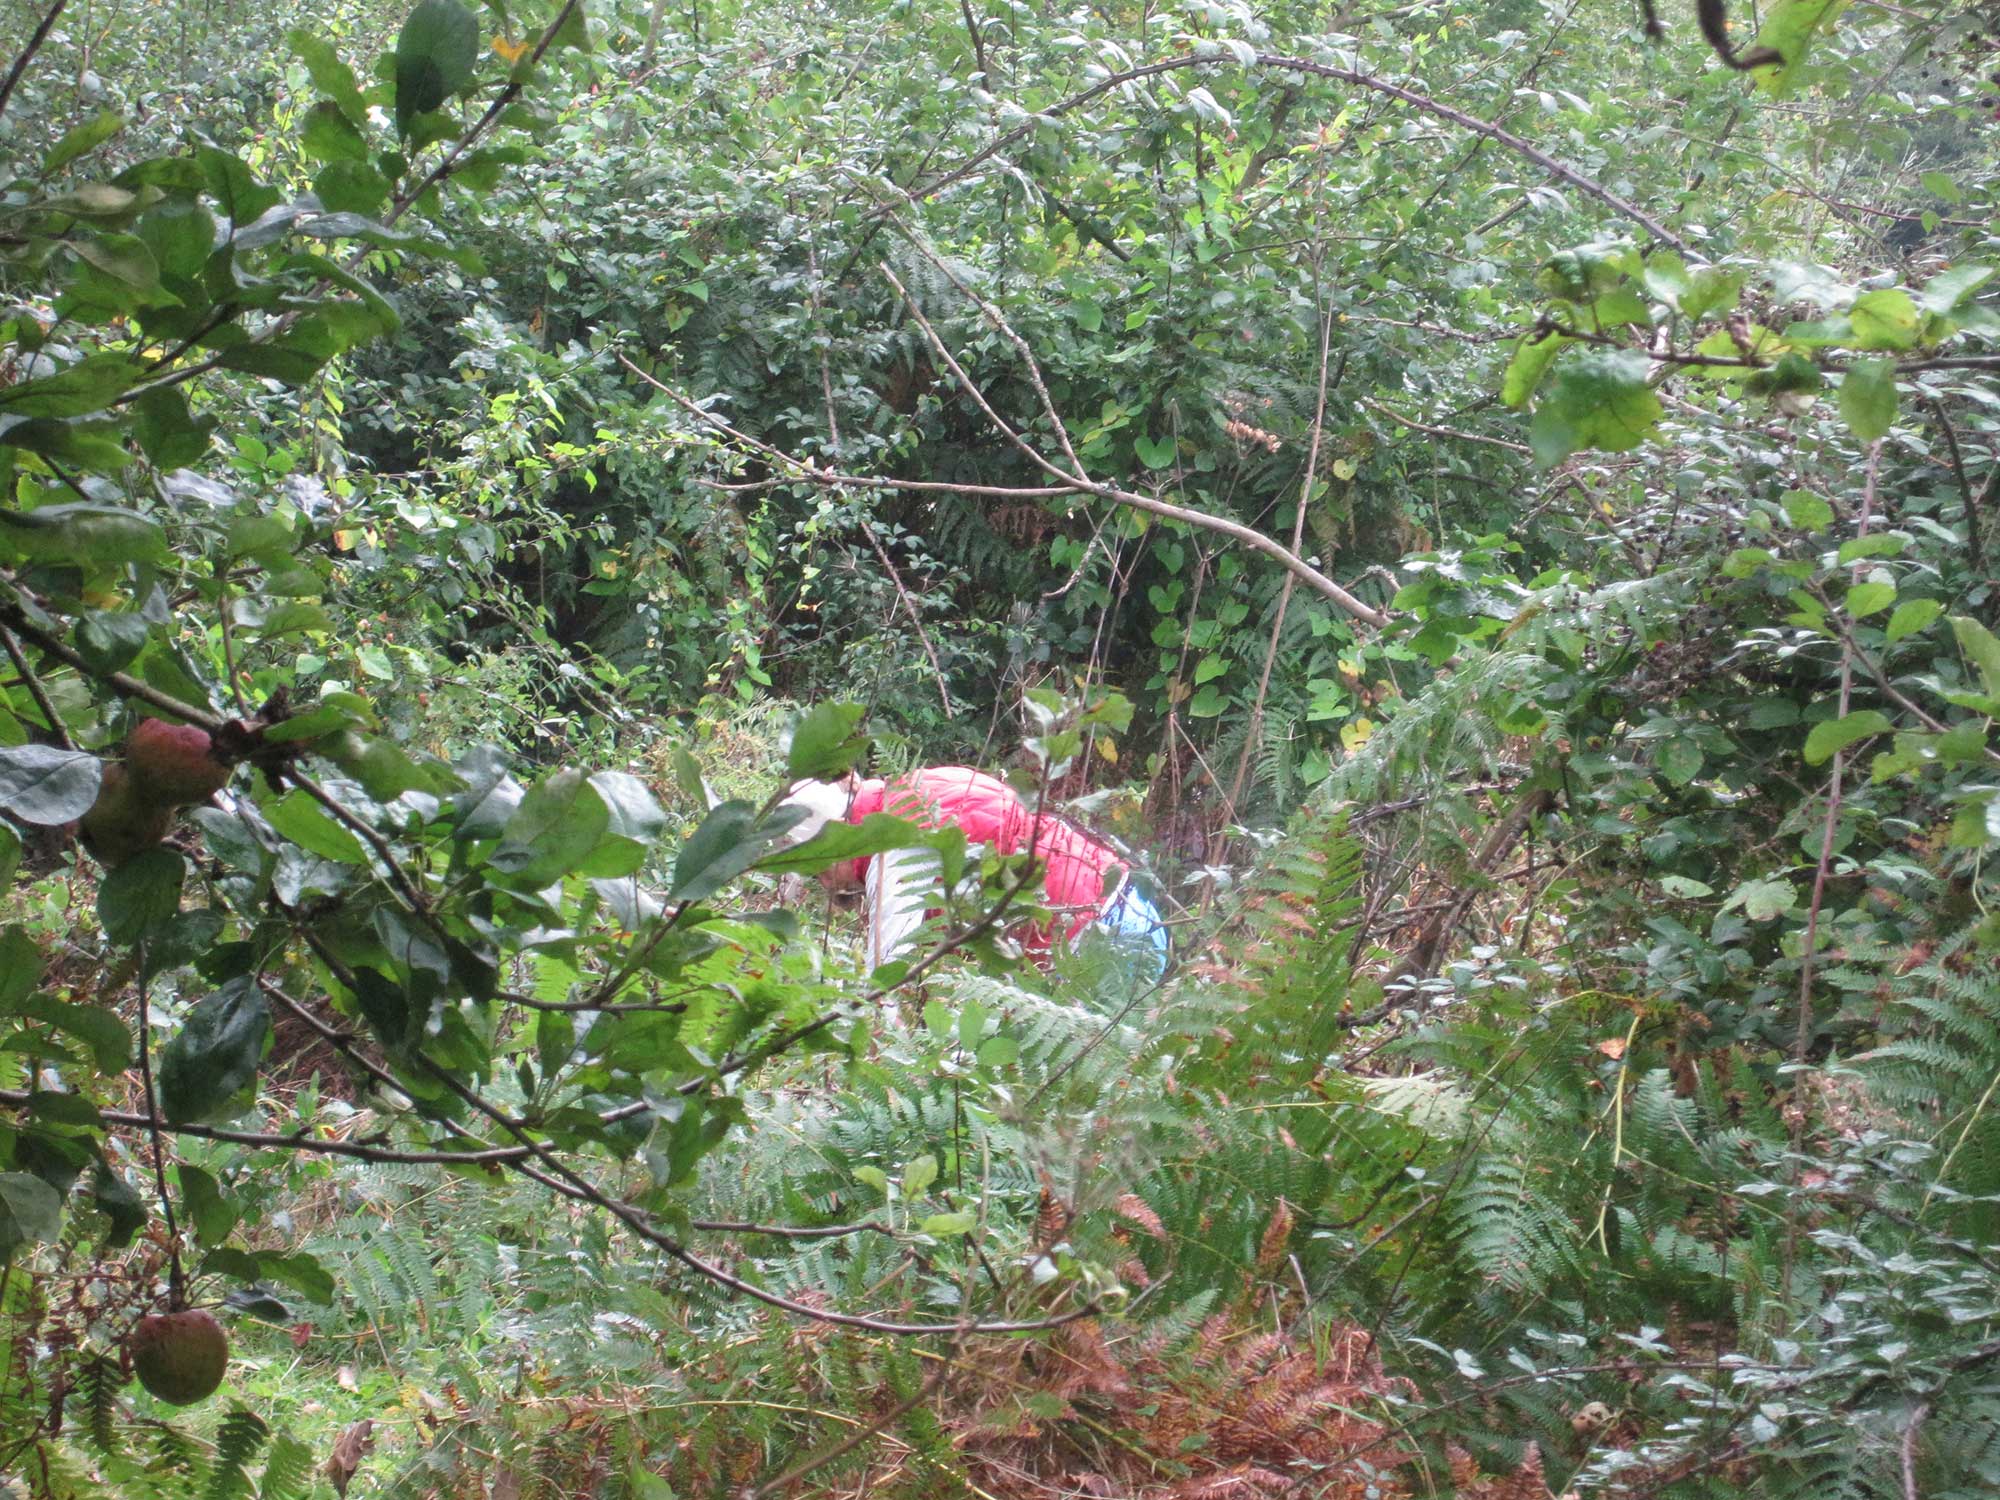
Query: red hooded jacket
column 1080, row 874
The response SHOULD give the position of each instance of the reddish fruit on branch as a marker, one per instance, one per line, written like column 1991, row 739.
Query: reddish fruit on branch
column 167, row 766
column 179, row 1356
column 124, row 821
column 175, row 761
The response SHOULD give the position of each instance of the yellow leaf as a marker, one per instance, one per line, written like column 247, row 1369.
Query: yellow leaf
column 1355, row 734
column 1108, row 750
column 345, row 540
column 1344, row 468
column 512, row 51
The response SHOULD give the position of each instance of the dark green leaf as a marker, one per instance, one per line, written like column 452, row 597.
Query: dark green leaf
column 203, row 1207
column 435, row 57
column 214, row 1055
column 329, row 74
column 1599, row 400
column 30, row 1212
column 46, row 786
column 141, row 895
column 88, row 136
column 82, row 532
column 824, row 744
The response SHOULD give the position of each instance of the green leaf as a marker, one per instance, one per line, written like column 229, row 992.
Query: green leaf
column 168, row 432
column 97, row 1028
column 1789, row 29
column 114, row 1197
column 43, row 785
column 88, row 136
column 1599, row 400
column 918, row 1176
column 141, row 895
column 1210, row 667
column 1685, row 888
column 30, row 1212
column 1680, row 760
column 1980, row 647
column 1866, row 599
column 203, row 1207
column 88, row 385
column 299, row 1271
column 298, row 817
column 329, row 74
column 1762, row 900
column 436, row 54
column 330, row 136
column 875, row 834
column 83, row 532
column 1945, row 291
column 1836, row 735
column 1531, row 360
column 1155, row 453
column 1868, row 398
column 560, row 823
column 108, row 641
column 824, row 743
column 1911, row 616
column 215, row 1053
column 1885, row 320
column 943, row 1226
column 1807, row 511
column 725, row 845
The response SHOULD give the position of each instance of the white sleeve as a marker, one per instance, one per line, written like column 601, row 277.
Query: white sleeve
column 901, row 886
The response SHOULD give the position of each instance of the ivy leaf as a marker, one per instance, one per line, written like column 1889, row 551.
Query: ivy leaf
column 1155, row 453
column 435, row 57
column 1599, row 400
column 1868, row 398
column 43, row 785
column 1837, row 734
column 215, row 1053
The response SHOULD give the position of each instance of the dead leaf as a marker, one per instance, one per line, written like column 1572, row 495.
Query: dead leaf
column 348, row 1453
column 1612, row 1047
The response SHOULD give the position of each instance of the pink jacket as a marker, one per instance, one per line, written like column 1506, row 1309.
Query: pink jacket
column 1080, row 874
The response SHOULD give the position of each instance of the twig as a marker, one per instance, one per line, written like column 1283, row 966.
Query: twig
column 1907, row 1449
column 853, row 1440
column 176, row 1277
column 1975, row 545
column 28, row 53
column 35, row 689
column 1829, row 832
column 833, row 446
column 1444, row 432
column 1279, row 63
column 15, row 618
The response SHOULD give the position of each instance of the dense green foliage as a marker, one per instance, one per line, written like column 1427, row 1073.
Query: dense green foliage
column 1490, row 508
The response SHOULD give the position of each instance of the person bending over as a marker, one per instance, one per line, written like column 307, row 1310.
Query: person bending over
column 1084, row 883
